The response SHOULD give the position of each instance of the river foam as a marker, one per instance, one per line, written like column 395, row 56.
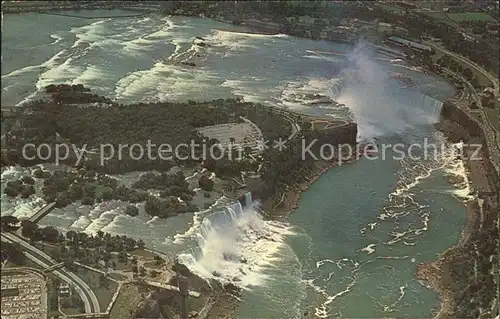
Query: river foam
column 234, row 244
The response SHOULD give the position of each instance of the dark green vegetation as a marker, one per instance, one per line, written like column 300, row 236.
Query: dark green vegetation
column 74, row 94
column 60, row 120
column 471, row 279
column 470, row 16
column 13, row 253
column 100, row 128
column 467, row 267
column 289, row 168
column 132, row 210
column 206, row 183
column 72, row 240
column 65, row 187
column 23, row 187
column 89, row 126
column 53, row 121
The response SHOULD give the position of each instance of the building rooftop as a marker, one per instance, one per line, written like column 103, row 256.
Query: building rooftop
column 410, row 43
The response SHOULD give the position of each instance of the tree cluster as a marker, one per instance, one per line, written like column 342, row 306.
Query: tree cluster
column 76, row 240
column 74, row 94
column 167, row 207
column 472, row 283
column 169, row 184
column 206, row 183
column 8, row 222
column 149, row 125
column 31, row 230
column 13, row 252
column 88, row 186
column 288, row 168
column 23, row 187
column 132, row 210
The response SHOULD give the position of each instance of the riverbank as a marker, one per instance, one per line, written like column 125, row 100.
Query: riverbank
column 435, row 272
column 289, row 201
column 476, row 243
column 16, row 7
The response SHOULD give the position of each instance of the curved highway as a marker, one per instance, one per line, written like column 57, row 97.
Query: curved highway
column 88, row 297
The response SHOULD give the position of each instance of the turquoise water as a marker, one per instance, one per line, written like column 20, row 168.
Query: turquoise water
column 332, row 224
column 313, row 262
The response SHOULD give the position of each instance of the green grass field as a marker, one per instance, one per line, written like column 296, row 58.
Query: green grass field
column 441, row 16
column 390, row 8
column 468, row 16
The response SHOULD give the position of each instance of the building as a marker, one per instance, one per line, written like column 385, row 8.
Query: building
column 64, row 290
column 468, row 37
column 9, row 292
column 411, row 44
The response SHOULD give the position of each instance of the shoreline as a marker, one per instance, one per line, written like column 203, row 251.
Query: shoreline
column 291, row 199
column 434, row 272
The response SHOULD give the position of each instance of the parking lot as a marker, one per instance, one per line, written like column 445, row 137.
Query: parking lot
column 30, row 302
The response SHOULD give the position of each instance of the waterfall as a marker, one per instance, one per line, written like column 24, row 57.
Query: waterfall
column 336, row 89
column 234, row 244
column 429, row 105
column 248, row 199
column 378, row 105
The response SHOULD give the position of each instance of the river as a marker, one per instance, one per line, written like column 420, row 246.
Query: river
column 352, row 246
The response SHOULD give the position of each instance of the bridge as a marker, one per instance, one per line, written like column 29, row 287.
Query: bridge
column 42, row 212
column 54, row 267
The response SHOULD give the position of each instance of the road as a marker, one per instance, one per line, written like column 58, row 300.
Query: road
column 479, row 69
column 496, row 134
column 492, row 132
column 88, row 297
column 170, row 287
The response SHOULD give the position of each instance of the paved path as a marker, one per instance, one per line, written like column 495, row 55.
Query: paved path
column 170, row 287
column 490, row 131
